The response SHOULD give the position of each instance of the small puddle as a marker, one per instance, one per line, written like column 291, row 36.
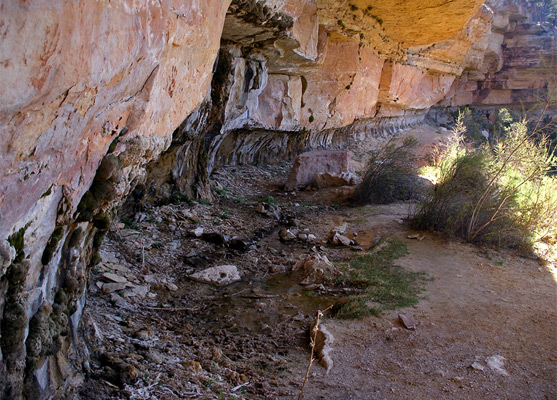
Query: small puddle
column 256, row 305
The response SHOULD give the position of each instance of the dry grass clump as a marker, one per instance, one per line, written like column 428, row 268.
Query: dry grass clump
column 390, row 175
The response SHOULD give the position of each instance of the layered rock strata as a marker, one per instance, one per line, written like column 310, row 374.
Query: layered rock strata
column 291, row 80
column 101, row 97
column 512, row 66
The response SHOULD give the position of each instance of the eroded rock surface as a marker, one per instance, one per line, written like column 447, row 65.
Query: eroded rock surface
column 513, row 64
column 104, row 98
column 91, row 92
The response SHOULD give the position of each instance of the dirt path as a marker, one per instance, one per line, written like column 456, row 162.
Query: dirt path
column 477, row 306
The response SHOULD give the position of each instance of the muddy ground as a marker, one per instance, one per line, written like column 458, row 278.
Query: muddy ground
column 157, row 334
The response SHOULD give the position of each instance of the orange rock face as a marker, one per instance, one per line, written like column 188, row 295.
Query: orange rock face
column 74, row 75
column 348, row 74
column 343, row 87
column 93, row 90
column 512, row 65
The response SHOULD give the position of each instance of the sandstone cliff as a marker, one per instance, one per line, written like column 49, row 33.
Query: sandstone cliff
column 513, row 65
column 101, row 97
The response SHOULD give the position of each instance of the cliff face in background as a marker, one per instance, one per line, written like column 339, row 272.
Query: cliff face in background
column 513, row 65
column 99, row 98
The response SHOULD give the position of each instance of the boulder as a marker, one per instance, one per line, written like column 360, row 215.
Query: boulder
column 337, row 239
column 329, row 179
column 315, row 269
column 287, row 235
column 311, row 164
column 270, row 210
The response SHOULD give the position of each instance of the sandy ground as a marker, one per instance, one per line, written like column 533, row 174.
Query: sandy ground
column 479, row 304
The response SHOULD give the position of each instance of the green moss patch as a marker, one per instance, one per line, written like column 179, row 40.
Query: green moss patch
column 378, row 282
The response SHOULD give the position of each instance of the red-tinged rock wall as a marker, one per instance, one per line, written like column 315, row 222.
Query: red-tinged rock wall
column 79, row 80
column 100, row 97
column 512, row 66
column 295, row 81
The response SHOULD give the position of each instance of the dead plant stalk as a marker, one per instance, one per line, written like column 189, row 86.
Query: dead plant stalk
column 313, row 337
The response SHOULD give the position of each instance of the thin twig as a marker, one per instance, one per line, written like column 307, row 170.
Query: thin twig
column 237, row 293
column 240, row 386
column 142, row 252
column 172, row 308
column 259, row 296
column 495, row 216
column 312, row 345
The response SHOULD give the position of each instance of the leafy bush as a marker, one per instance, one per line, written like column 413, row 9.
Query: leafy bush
column 546, row 12
column 482, row 126
column 499, row 194
column 389, row 175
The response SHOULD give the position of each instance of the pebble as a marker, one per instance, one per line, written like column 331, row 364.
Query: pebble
column 197, row 232
column 221, row 275
column 496, row 363
column 439, row 372
column 477, row 366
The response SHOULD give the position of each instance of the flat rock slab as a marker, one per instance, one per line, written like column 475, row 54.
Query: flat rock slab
column 113, row 287
column 110, row 277
column 407, row 321
column 312, row 163
column 220, row 276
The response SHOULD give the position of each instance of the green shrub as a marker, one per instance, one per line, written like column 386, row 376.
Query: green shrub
column 222, row 191
column 498, row 194
column 389, row 175
column 129, row 223
column 478, row 123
